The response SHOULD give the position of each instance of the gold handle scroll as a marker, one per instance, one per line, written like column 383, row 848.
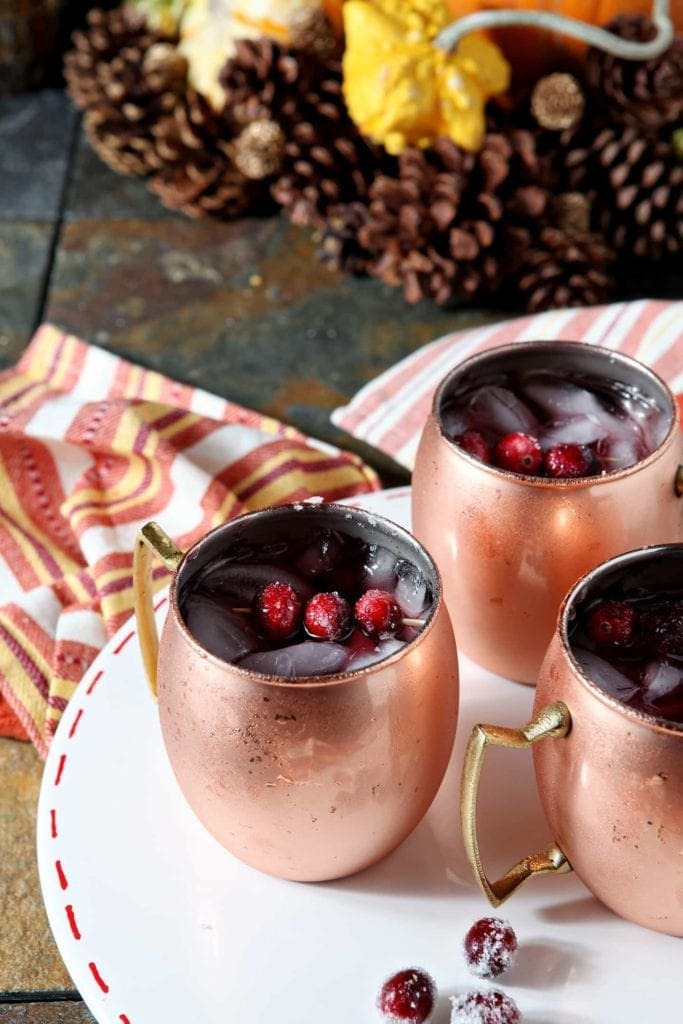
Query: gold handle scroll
column 553, row 720
column 151, row 540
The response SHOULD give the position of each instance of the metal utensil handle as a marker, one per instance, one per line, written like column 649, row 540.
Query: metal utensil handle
column 553, row 720
column 449, row 38
column 150, row 541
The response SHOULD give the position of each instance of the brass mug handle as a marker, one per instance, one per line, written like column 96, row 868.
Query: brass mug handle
column 553, row 720
column 151, row 540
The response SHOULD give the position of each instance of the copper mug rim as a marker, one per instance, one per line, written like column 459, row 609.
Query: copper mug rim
column 563, row 346
column 654, row 722
column 320, row 681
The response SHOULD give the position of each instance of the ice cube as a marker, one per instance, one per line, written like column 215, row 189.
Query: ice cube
column 227, row 634
column 322, row 555
column 379, row 571
column 386, row 648
column 606, row 676
column 455, row 420
column 309, row 658
column 620, row 452
column 655, row 426
column 373, row 651
column 362, row 649
column 498, row 410
column 659, row 679
column 239, row 582
column 411, row 588
column 558, row 399
column 572, row 430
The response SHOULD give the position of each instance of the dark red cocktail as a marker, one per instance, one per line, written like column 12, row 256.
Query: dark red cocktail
column 315, row 602
column 559, row 424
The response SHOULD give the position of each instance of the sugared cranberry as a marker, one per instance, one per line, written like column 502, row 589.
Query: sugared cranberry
column 611, row 623
column 567, row 461
column 472, row 442
column 490, row 947
column 408, row 996
column 378, row 614
column 492, row 1007
column 328, row 616
column 278, row 610
column 520, row 453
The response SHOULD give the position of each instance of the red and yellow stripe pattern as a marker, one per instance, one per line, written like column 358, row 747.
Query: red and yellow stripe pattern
column 91, row 447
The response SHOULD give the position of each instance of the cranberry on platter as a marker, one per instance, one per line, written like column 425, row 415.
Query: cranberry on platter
column 491, row 1007
column 490, row 947
column 407, row 997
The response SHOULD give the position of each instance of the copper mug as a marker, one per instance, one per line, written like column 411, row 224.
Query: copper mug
column 308, row 779
column 510, row 546
column 610, row 777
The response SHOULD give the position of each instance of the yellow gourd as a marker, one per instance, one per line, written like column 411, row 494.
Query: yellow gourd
column 401, row 89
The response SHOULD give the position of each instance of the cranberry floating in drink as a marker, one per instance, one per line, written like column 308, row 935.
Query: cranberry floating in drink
column 316, row 603
column 539, row 461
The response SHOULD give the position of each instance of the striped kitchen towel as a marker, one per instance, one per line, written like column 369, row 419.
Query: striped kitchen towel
column 391, row 410
column 91, row 447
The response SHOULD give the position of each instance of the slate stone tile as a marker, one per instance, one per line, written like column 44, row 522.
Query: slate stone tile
column 29, row 959
column 36, row 130
column 242, row 309
column 46, row 1013
column 95, row 191
column 24, row 255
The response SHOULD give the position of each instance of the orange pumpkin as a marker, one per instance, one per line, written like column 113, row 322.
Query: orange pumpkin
column 333, row 10
column 533, row 52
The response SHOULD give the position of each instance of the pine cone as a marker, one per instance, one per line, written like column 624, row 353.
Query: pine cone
column 635, row 187
column 195, row 170
column 125, row 77
column 326, row 161
column 441, row 225
column 340, row 246
column 564, row 269
column 266, row 80
column 645, row 94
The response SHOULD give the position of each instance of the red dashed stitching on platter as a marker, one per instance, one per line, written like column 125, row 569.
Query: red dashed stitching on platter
column 117, row 650
column 60, row 769
column 76, row 720
column 94, row 683
column 54, row 834
column 72, row 921
column 160, row 604
column 63, row 883
column 98, row 977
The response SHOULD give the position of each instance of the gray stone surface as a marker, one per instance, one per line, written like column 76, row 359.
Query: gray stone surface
column 36, row 132
column 46, row 1013
column 24, row 260
column 242, row 309
column 96, row 191
column 29, row 961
